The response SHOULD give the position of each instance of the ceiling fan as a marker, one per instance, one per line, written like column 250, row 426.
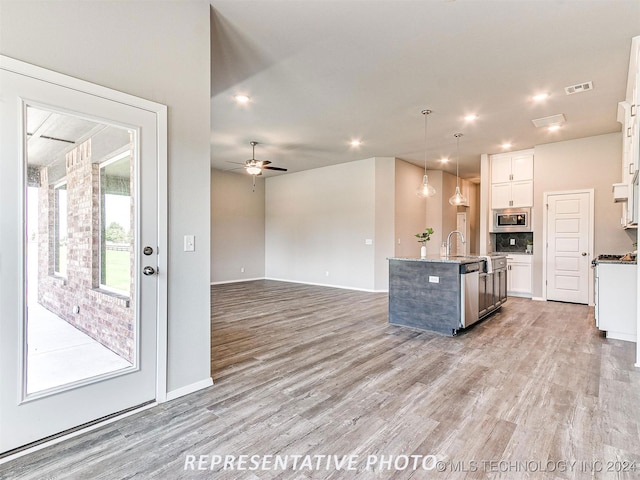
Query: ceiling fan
column 254, row 167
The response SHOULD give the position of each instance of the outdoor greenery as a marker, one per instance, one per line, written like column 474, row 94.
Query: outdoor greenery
column 118, row 270
column 116, row 233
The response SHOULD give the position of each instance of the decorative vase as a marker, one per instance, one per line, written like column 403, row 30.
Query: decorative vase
column 423, row 251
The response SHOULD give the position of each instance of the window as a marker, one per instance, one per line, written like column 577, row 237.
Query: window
column 116, row 236
column 60, row 229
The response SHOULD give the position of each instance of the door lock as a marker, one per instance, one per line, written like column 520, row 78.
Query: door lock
column 149, row 270
column 147, row 250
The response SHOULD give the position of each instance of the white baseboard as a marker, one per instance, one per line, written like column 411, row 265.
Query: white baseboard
column 538, row 299
column 238, row 280
column 186, row 390
column 343, row 287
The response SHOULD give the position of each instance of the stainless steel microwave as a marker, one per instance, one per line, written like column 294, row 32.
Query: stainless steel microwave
column 512, row 220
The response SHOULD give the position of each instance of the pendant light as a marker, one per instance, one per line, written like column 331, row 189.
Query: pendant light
column 425, row 190
column 457, row 198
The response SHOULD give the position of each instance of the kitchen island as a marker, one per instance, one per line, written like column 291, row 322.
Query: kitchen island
column 444, row 293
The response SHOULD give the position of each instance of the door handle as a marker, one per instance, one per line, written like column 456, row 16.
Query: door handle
column 149, row 270
column 584, row 254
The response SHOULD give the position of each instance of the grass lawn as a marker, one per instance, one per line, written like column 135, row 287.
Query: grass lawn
column 118, row 270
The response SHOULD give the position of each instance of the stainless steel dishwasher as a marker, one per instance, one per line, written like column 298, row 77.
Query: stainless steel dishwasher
column 469, row 279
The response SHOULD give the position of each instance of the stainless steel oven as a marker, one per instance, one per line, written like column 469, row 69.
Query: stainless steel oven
column 512, row 220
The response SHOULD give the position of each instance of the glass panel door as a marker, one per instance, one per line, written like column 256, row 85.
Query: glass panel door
column 78, row 205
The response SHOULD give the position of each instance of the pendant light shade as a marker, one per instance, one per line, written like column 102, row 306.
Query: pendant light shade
column 457, row 198
column 425, row 190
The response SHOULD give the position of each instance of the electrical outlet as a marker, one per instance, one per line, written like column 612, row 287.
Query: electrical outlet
column 326, row 274
column 368, row 241
column 434, row 279
column 512, row 241
column 241, row 269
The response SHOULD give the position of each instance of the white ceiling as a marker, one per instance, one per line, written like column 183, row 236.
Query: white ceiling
column 321, row 73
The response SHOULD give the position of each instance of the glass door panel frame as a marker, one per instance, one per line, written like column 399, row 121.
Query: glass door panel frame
column 135, row 152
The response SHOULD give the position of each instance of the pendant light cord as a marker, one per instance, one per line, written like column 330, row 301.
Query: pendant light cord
column 426, row 120
column 458, row 135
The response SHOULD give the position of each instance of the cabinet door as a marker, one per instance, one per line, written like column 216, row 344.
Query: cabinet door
column 482, row 295
column 501, row 195
column 522, row 167
column 500, row 168
column 522, row 194
column 520, row 278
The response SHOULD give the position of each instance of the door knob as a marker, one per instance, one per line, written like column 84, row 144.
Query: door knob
column 584, row 254
column 149, row 270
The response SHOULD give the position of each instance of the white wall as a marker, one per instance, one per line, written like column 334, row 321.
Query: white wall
column 410, row 210
column 385, row 173
column 591, row 162
column 237, row 227
column 317, row 221
column 158, row 51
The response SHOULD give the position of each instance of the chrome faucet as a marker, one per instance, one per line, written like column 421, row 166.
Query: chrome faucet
column 449, row 240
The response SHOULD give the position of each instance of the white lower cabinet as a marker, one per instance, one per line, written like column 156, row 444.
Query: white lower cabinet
column 519, row 275
column 615, row 300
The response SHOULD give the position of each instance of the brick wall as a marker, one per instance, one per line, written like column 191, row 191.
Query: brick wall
column 107, row 317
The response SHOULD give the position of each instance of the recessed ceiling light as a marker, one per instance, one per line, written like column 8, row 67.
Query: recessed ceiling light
column 553, row 128
column 506, row 145
column 356, row 143
column 471, row 118
column 540, row 97
column 242, row 99
column 444, row 159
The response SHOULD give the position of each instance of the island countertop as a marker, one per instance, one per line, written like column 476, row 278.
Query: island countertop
column 460, row 260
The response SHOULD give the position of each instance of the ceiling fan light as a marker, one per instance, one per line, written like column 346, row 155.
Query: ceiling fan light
column 457, row 198
column 426, row 189
column 253, row 170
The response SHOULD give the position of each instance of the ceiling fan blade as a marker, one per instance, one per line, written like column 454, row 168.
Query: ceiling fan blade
column 264, row 162
column 236, row 163
column 275, row 168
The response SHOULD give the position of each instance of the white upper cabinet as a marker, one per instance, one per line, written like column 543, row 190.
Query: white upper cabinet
column 628, row 116
column 512, row 180
column 522, row 167
column 500, row 168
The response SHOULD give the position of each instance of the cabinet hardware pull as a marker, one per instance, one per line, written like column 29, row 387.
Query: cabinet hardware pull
column 629, row 132
column 633, row 110
column 631, row 169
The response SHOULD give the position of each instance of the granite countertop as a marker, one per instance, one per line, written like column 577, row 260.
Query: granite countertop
column 462, row 260
column 511, row 253
column 620, row 261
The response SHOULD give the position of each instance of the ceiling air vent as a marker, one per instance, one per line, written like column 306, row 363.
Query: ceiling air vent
column 548, row 121
column 579, row 88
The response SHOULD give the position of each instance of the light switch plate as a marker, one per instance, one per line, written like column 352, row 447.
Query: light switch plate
column 368, row 241
column 189, row 243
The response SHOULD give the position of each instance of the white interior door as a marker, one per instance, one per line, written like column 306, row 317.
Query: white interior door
column 569, row 220
column 78, row 206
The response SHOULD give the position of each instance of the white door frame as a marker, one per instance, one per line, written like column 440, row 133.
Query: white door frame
column 545, row 213
column 160, row 111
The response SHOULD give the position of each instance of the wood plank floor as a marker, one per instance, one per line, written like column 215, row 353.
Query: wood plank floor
column 305, row 370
